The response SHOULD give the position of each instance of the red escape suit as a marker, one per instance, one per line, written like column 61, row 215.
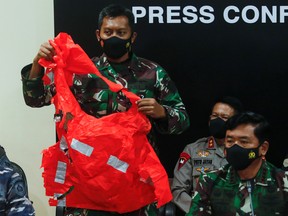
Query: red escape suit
column 103, row 164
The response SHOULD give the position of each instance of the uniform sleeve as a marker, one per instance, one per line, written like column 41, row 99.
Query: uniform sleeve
column 17, row 202
column 182, row 181
column 34, row 92
column 200, row 205
column 177, row 119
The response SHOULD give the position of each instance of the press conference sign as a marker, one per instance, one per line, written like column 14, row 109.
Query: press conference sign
column 207, row 14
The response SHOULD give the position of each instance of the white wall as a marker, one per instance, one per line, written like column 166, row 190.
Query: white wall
column 25, row 131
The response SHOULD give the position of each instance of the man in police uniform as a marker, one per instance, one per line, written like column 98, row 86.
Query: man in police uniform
column 13, row 190
column 205, row 154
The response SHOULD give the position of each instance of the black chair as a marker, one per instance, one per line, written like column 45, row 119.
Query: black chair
column 60, row 210
column 167, row 210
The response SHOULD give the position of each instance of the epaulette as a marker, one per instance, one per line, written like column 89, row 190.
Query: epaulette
column 211, row 143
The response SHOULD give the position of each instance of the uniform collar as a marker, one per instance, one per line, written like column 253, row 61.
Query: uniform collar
column 263, row 176
column 134, row 64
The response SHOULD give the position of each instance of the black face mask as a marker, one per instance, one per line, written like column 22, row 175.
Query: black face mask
column 217, row 128
column 115, row 47
column 240, row 158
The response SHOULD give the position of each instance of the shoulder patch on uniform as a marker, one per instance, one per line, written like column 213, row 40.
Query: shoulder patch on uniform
column 19, row 188
column 184, row 157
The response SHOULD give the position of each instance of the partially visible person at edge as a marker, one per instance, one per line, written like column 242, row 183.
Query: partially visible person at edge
column 285, row 163
column 160, row 100
column 248, row 185
column 205, row 154
column 13, row 190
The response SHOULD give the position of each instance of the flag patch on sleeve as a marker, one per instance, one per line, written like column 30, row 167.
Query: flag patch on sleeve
column 184, row 157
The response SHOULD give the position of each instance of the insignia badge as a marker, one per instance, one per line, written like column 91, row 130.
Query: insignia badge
column 251, row 155
column 202, row 169
column 211, row 143
column 184, row 157
column 19, row 188
column 203, row 153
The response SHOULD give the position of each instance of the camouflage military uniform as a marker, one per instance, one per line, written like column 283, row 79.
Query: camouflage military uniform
column 222, row 192
column 201, row 156
column 140, row 76
column 13, row 194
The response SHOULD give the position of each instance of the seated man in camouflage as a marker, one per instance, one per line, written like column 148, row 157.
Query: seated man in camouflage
column 13, row 190
column 248, row 185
